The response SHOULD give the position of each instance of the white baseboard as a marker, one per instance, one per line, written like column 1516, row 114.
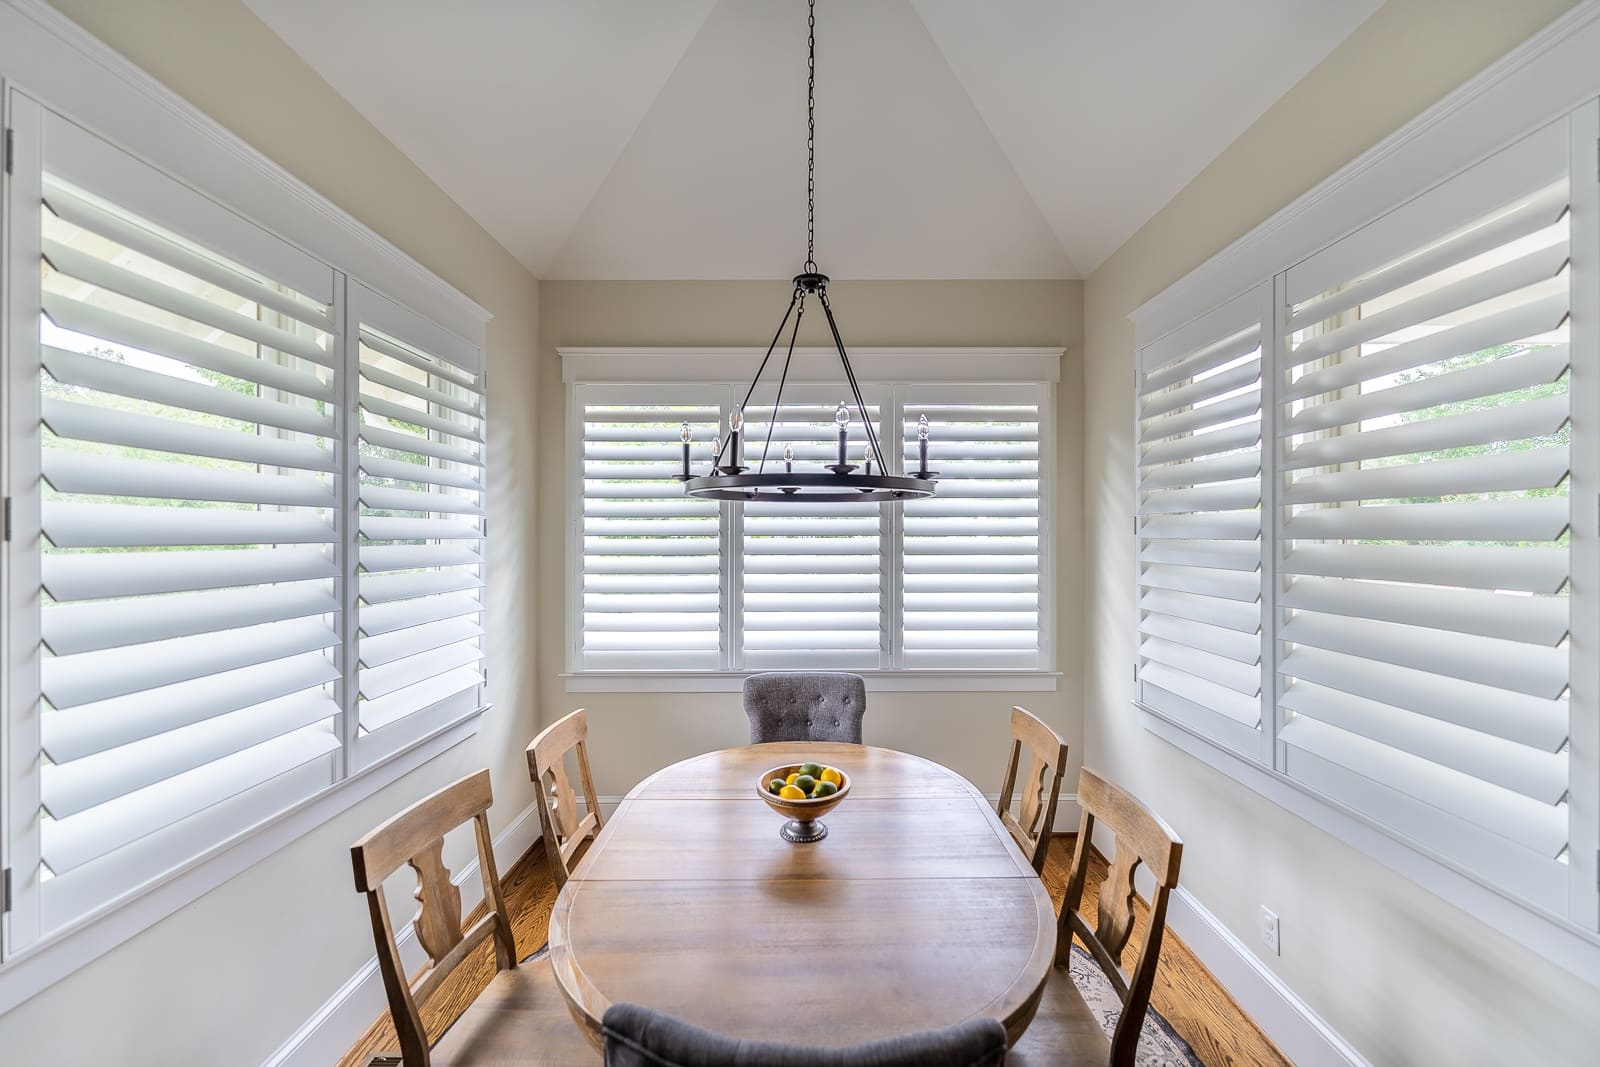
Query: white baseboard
column 345, row 1016
column 1299, row 1032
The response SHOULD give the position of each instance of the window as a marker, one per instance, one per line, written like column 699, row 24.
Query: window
column 1358, row 542
column 664, row 583
column 246, row 520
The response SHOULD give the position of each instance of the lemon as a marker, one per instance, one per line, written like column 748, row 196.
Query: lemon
column 832, row 777
column 811, row 769
column 792, row 778
column 825, row 788
column 789, row 792
column 805, row 783
column 776, row 785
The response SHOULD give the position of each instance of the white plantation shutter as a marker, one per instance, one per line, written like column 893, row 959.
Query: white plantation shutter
column 971, row 573
column 187, row 447
column 420, row 528
column 1426, row 432
column 662, row 582
column 1199, row 525
column 649, row 595
column 812, row 573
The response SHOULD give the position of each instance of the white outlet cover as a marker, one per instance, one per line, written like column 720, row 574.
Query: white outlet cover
column 1269, row 929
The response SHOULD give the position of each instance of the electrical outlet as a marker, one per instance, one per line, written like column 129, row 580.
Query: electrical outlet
column 1269, row 929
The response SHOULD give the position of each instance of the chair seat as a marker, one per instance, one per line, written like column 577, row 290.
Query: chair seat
column 520, row 1020
column 1064, row 1031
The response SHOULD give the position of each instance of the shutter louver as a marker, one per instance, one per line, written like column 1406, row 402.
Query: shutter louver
column 972, row 560
column 650, row 596
column 1426, row 434
column 188, row 570
column 420, row 528
column 1199, row 529
column 812, row 572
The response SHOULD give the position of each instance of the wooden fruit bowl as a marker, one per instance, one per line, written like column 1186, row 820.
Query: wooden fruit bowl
column 803, row 825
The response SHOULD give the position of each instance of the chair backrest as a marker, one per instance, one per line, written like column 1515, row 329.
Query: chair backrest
column 416, row 837
column 564, row 832
column 1141, row 836
column 1041, row 785
column 805, row 706
column 639, row 1037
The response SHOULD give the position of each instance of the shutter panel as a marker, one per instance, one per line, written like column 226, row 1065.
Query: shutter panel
column 1426, row 435
column 188, row 607
column 420, row 534
column 1199, row 526
column 812, row 572
column 650, row 592
column 972, row 552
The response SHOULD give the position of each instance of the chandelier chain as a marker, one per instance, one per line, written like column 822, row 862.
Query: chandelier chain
column 811, row 138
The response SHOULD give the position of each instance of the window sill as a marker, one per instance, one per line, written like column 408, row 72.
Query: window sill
column 1556, row 939
column 63, row 951
column 907, row 681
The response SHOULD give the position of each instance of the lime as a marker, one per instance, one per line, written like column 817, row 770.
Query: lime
column 824, row 789
column 776, row 784
column 814, row 770
column 805, row 783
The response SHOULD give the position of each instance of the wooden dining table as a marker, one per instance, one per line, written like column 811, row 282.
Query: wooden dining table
column 917, row 910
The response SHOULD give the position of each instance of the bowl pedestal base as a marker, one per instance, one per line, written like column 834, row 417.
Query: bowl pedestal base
column 803, row 831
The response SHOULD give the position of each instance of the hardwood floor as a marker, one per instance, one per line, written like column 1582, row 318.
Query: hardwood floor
column 1185, row 994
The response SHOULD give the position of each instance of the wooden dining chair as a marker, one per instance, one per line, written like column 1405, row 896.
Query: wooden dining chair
column 521, row 1017
column 1065, row 1032
column 1041, row 785
column 564, row 832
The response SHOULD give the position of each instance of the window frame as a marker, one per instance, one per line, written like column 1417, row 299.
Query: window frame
column 1547, row 79
column 48, row 64
column 699, row 373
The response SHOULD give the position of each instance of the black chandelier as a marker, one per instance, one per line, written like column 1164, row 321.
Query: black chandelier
column 730, row 479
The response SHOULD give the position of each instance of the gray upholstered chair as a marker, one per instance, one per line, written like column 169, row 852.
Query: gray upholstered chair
column 805, row 706
column 638, row 1037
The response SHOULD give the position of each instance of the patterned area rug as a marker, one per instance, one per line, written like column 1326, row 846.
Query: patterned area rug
column 1159, row 1044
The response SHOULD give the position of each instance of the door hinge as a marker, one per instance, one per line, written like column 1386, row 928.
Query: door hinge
column 5, row 891
column 11, row 148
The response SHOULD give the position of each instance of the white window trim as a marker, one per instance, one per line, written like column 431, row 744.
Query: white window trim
column 1548, row 76
column 47, row 55
column 875, row 367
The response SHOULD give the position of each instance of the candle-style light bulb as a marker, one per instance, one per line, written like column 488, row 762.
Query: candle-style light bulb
column 869, row 459
column 922, row 427
column 684, row 435
column 735, row 453
column 922, row 444
column 841, row 416
column 788, row 459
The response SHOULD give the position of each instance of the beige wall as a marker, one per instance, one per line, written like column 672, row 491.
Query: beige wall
column 228, row 978
column 1403, row 976
column 635, row 734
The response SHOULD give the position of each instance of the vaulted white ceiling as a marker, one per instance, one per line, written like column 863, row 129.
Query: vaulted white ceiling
column 956, row 139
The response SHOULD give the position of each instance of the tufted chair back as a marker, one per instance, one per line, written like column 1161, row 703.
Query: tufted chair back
column 805, row 706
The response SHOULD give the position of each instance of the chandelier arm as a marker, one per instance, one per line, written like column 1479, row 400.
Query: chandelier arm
column 727, row 438
column 772, row 423
column 850, row 376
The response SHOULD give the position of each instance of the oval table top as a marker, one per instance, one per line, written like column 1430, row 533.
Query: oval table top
column 917, row 910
